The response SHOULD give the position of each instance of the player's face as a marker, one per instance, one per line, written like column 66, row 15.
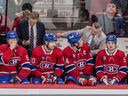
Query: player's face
column 111, row 45
column 111, row 8
column 52, row 45
column 79, row 43
column 11, row 41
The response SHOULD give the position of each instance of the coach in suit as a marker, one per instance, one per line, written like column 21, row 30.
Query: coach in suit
column 92, row 35
column 31, row 32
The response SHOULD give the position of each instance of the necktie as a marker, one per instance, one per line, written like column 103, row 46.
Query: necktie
column 31, row 38
column 92, row 44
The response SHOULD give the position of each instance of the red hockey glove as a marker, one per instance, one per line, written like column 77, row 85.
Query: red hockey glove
column 16, row 80
column 83, row 81
column 113, row 81
column 105, row 80
column 43, row 79
column 92, row 81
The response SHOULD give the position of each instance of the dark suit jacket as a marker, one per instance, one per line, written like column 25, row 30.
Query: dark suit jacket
column 23, row 32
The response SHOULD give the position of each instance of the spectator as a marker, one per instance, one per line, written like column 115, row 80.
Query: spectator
column 83, row 12
column 122, row 6
column 27, row 6
column 79, row 63
column 13, row 56
column 111, row 22
column 47, row 62
column 31, row 32
column 111, row 66
column 23, row 15
column 15, row 6
column 89, row 34
column 19, row 18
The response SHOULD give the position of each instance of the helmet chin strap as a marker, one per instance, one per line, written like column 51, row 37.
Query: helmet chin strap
column 111, row 51
column 47, row 48
column 76, row 47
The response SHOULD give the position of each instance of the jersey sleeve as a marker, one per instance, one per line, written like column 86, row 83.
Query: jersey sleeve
column 70, row 67
column 24, row 64
column 89, row 67
column 35, row 62
column 5, row 55
column 99, row 67
column 59, row 69
column 122, row 68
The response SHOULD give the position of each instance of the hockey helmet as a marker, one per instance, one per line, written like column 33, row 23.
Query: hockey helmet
column 73, row 37
column 11, row 35
column 111, row 37
column 50, row 37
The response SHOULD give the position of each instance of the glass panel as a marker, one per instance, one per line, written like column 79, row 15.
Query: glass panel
column 55, row 14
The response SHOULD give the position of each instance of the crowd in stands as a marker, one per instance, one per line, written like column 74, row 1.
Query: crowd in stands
column 31, row 56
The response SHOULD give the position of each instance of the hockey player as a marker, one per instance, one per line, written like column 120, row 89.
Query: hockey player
column 111, row 66
column 47, row 62
column 79, row 62
column 14, row 61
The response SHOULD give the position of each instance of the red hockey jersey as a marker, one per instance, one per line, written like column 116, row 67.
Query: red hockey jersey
column 111, row 65
column 79, row 62
column 47, row 63
column 11, row 59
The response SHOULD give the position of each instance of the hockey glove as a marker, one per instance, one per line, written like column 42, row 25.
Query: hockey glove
column 105, row 80
column 92, row 81
column 113, row 81
column 83, row 81
column 43, row 79
column 16, row 80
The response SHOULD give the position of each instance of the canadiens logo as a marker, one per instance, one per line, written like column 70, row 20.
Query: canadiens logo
column 14, row 60
column 81, row 64
column 46, row 64
column 111, row 68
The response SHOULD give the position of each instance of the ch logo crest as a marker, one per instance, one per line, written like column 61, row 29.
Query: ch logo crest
column 81, row 64
column 45, row 64
column 111, row 68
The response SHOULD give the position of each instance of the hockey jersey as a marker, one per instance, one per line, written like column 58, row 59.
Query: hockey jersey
column 11, row 60
column 113, row 66
column 78, row 62
column 44, row 63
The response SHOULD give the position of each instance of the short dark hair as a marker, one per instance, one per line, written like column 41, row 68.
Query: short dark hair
column 34, row 15
column 112, row 3
column 27, row 6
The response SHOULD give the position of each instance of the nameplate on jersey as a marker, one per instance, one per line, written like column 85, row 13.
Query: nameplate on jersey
column 111, row 68
column 46, row 64
column 80, row 64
